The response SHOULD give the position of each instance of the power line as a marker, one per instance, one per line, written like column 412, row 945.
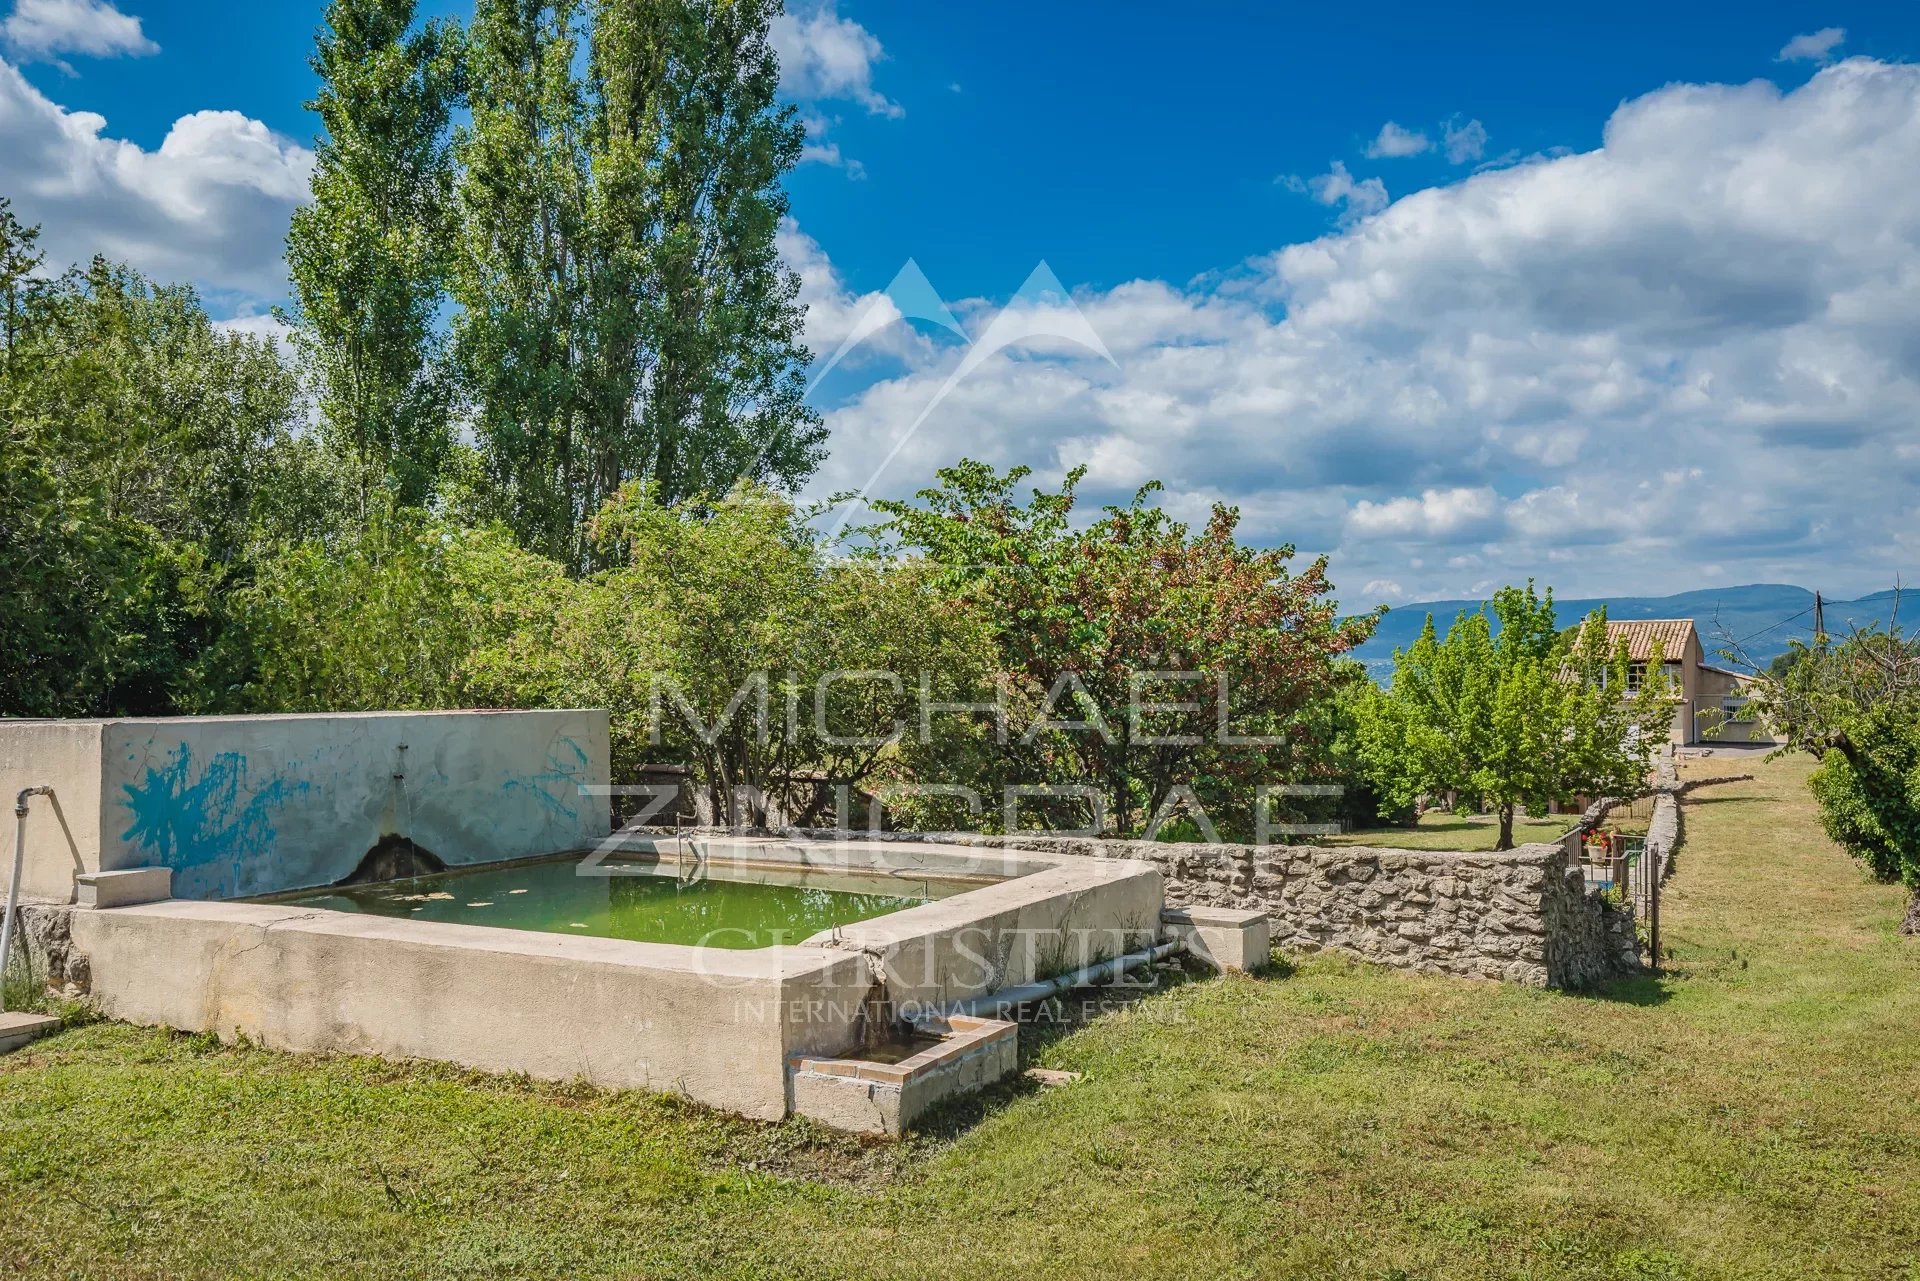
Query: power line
column 1782, row 623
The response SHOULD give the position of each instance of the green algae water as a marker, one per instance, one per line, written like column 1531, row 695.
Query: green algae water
column 644, row 902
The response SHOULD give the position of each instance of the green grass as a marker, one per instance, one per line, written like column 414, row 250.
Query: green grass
column 1438, row 830
column 1750, row 1114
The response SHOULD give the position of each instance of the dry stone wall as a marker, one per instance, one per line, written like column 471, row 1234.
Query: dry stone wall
column 1523, row 916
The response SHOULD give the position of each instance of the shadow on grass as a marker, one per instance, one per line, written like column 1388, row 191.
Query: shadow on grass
column 1045, row 1022
column 1641, row 989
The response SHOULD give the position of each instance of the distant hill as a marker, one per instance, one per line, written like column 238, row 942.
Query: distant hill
column 1763, row 617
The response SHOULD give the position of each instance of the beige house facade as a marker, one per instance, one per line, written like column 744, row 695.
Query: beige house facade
column 1711, row 707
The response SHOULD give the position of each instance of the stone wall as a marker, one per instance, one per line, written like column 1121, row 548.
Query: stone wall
column 1523, row 916
column 1663, row 829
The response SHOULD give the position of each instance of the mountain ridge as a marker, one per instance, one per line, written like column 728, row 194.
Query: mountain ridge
column 1756, row 619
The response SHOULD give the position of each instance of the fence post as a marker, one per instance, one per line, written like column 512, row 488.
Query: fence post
column 1654, row 868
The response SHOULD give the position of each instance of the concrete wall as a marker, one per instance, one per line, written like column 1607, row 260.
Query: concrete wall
column 63, row 830
column 717, row 1027
column 1716, row 686
column 243, row 805
column 1040, row 926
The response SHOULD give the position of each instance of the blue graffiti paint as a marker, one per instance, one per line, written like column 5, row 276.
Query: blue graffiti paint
column 566, row 767
column 182, row 820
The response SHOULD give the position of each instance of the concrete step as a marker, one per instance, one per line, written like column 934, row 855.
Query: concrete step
column 17, row 1029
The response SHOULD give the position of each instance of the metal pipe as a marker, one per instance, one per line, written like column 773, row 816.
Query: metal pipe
column 13, row 886
column 1040, row 989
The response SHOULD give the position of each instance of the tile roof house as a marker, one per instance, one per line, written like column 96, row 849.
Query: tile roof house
column 1713, row 699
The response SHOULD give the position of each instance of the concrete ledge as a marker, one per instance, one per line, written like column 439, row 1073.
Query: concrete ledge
column 1037, row 912
column 1222, row 937
column 18, row 1029
column 124, row 888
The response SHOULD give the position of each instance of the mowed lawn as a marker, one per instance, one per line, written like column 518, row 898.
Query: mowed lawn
column 1754, row 1113
column 1439, row 830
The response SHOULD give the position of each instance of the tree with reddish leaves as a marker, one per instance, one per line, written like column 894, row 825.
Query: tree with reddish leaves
column 1139, row 656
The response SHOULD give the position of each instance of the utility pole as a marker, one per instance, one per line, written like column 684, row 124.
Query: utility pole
column 1819, row 620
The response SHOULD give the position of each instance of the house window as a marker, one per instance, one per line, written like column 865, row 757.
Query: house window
column 1636, row 676
column 1734, row 709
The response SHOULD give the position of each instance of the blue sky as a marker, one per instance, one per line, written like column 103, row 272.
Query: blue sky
column 1622, row 299
column 1115, row 143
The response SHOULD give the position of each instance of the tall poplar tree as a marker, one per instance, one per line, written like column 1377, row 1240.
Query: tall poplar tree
column 623, row 314
column 368, row 254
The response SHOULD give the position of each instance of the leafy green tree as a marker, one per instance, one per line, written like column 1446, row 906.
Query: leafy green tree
column 782, row 673
column 368, row 254
column 406, row 611
column 1137, row 655
column 623, row 313
column 707, row 638
column 146, row 452
column 1509, row 712
column 1855, row 706
column 22, row 288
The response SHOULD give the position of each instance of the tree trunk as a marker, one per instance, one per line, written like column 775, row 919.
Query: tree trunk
column 1506, row 828
column 1912, row 924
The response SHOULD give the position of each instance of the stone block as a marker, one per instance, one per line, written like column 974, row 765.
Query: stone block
column 1223, row 938
column 123, row 888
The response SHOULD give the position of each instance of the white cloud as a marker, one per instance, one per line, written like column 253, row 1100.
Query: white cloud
column 821, row 150
column 1393, row 141
column 1356, row 197
column 1816, row 46
column 1464, row 142
column 1437, row 513
column 823, row 55
column 45, row 29
column 260, row 325
column 210, row 205
column 833, row 311
column 1688, row 354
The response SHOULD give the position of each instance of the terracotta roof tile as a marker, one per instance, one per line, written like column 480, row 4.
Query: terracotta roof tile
column 1674, row 635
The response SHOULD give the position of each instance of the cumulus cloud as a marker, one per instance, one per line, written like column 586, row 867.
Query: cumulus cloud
column 1437, row 513
column 1684, row 357
column 210, row 205
column 1355, row 197
column 45, row 29
column 1394, row 141
column 835, row 312
column 823, row 55
column 1464, row 142
column 1816, row 46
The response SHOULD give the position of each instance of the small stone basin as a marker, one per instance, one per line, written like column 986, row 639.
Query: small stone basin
column 885, row 1089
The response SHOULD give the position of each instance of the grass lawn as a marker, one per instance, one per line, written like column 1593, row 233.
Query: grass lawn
column 1438, row 830
column 1755, row 1112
